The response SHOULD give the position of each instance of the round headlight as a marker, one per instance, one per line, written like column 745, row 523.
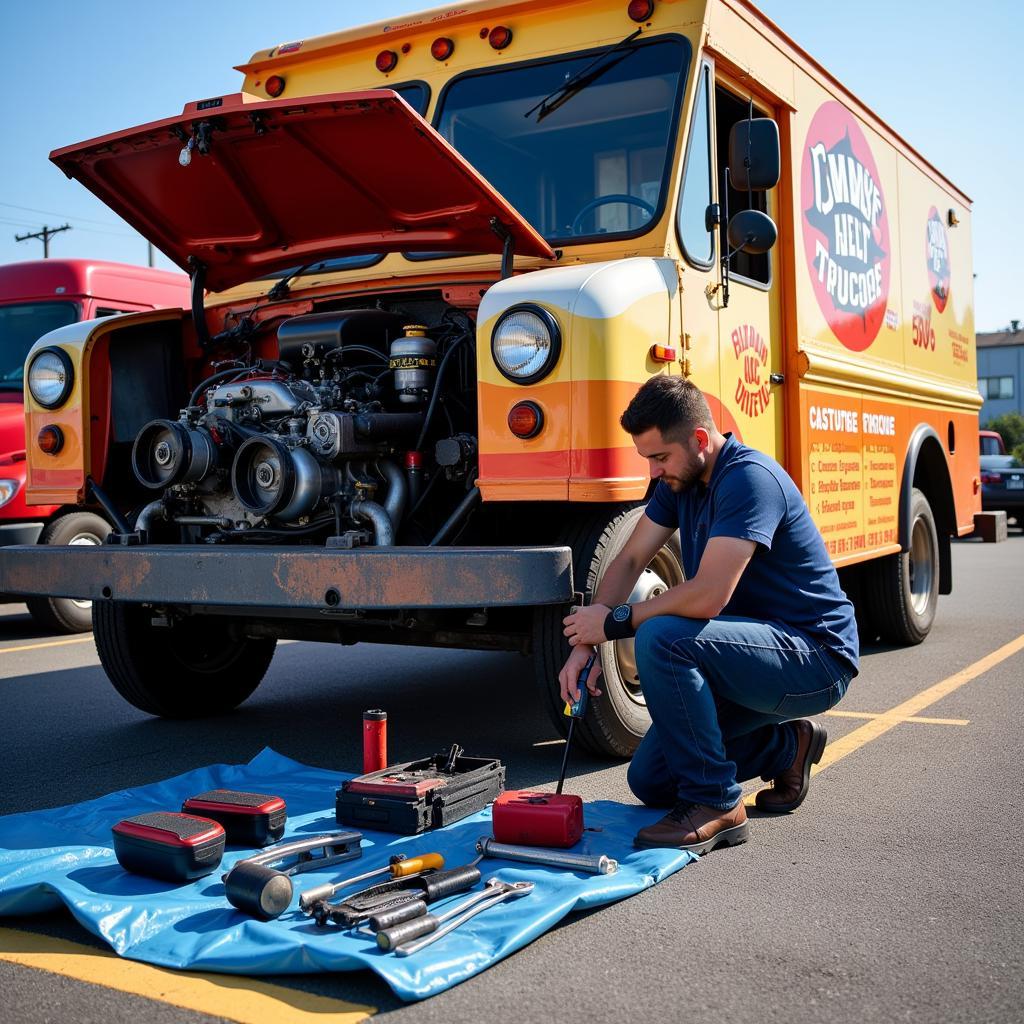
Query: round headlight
column 51, row 377
column 526, row 343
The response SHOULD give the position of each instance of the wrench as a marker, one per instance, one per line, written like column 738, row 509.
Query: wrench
column 513, row 890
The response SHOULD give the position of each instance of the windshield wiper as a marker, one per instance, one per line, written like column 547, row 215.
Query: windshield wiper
column 578, row 82
column 281, row 289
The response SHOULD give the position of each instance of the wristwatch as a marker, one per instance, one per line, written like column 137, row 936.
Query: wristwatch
column 618, row 623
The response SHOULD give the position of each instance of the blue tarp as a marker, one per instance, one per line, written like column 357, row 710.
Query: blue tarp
column 64, row 856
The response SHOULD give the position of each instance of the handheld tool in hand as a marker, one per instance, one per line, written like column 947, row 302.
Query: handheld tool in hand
column 259, row 888
column 425, row 924
column 511, row 890
column 399, row 866
column 574, row 711
column 594, row 865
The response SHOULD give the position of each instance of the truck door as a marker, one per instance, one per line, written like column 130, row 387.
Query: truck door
column 750, row 326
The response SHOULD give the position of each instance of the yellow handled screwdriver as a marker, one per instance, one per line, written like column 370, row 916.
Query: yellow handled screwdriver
column 399, row 866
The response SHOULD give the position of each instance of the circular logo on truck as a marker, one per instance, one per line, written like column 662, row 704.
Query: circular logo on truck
column 937, row 251
column 846, row 226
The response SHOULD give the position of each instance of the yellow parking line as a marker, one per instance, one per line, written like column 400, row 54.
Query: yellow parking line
column 48, row 643
column 852, row 741
column 915, row 718
column 235, row 998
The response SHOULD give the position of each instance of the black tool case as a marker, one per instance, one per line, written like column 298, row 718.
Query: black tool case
column 420, row 795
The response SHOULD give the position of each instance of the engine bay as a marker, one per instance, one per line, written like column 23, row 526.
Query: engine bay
column 337, row 440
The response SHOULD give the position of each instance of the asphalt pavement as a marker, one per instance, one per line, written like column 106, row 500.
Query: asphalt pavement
column 893, row 894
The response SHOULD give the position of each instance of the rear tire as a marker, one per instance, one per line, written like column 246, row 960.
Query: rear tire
column 904, row 588
column 616, row 723
column 189, row 669
column 66, row 614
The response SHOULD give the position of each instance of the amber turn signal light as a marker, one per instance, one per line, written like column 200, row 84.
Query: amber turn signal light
column 274, row 86
column 663, row 354
column 442, row 48
column 387, row 60
column 640, row 10
column 525, row 420
column 50, row 439
column 499, row 37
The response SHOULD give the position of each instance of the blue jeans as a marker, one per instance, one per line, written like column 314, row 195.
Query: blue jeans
column 718, row 691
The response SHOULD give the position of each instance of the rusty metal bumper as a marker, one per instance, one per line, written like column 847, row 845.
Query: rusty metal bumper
column 277, row 578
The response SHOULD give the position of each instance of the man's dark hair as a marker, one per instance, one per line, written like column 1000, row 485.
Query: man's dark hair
column 672, row 404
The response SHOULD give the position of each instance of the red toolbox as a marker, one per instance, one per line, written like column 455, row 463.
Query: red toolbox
column 175, row 847
column 249, row 819
column 538, row 819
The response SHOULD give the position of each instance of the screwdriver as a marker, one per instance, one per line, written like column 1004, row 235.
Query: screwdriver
column 573, row 711
column 399, row 866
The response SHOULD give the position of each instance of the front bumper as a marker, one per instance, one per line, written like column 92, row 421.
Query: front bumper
column 19, row 533
column 294, row 579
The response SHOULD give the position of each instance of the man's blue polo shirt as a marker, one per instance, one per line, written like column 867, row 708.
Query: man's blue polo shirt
column 790, row 579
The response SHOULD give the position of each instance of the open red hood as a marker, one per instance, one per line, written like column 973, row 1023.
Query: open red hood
column 287, row 182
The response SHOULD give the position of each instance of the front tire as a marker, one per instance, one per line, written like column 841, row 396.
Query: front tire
column 191, row 668
column 904, row 588
column 615, row 723
column 67, row 614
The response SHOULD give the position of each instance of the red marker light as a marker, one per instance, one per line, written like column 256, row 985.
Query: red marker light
column 386, row 61
column 442, row 48
column 499, row 37
column 51, row 440
column 640, row 10
column 274, row 86
column 663, row 354
column 525, row 420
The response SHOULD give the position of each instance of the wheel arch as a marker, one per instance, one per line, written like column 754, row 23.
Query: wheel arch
column 925, row 468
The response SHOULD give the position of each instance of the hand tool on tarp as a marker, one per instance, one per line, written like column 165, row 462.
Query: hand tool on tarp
column 261, row 886
column 428, row 887
column 594, row 865
column 576, row 710
column 399, row 866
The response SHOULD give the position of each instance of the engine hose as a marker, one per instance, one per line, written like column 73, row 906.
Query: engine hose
column 383, row 529
column 219, row 375
column 418, row 447
column 154, row 510
column 398, row 487
column 455, row 519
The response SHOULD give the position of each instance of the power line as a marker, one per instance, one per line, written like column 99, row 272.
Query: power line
column 45, row 235
column 51, row 213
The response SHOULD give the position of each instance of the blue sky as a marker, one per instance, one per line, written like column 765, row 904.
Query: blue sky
column 948, row 76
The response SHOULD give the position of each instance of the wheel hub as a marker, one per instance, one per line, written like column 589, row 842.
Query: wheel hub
column 649, row 585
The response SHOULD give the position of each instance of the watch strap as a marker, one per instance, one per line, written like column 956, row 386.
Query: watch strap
column 614, row 630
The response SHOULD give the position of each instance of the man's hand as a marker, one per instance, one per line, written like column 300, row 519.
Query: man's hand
column 586, row 625
column 568, row 678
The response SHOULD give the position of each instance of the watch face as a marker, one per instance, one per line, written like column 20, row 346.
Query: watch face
column 621, row 613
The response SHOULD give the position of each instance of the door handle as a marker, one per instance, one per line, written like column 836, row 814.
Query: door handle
column 776, row 378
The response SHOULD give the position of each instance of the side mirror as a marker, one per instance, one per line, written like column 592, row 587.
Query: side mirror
column 754, row 161
column 752, row 231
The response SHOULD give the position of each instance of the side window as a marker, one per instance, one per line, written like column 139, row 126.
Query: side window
column 698, row 242
column 729, row 109
column 107, row 311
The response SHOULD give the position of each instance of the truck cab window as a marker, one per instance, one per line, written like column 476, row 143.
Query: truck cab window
column 729, row 109
column 698, row 242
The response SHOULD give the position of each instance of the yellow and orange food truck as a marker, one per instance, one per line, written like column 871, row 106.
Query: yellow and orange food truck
column 432, row 259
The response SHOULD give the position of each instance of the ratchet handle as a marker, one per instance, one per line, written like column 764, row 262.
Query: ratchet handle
column 397, row 915
column 447, row 883
column 389, row 938
column 578, row 708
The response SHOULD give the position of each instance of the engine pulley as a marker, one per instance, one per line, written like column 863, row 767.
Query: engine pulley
column 271, row 479
column 167, row 452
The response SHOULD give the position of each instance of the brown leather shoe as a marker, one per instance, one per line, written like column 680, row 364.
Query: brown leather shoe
column 697, row 828
column 788, row 790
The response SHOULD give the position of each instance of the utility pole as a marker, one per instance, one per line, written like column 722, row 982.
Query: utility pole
column 46, row 234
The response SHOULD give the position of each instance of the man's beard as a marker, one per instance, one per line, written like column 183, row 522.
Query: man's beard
column 689, row 476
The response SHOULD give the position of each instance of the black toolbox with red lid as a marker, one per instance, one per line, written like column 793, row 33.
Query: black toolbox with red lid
column 164, row 844
column 249, row 819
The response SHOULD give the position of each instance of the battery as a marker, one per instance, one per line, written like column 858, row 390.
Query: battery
column 538, row 819
column 249, row 819
column 174, row 847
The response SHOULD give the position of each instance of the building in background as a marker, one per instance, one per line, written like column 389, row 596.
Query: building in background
column 1001, row 371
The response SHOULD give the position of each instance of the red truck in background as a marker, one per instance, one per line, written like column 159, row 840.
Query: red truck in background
column 37, row 297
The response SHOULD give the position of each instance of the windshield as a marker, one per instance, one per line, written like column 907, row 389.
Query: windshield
column 20, row 327
column 597, row 165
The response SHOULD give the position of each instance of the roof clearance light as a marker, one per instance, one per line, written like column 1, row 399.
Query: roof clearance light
column 640, row 10
column 442, row 48
column 499, row 37
column 525, row 420
column 387, row 60
column 663, row 354
column 274, row 86
column 50, row 439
